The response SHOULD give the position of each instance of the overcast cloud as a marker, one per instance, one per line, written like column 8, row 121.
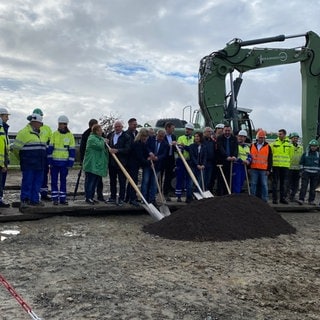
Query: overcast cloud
column 140, row 58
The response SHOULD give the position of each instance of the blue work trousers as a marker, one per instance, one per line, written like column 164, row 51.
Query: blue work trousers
column 238, row 177
column 30, row 185
column 56, row 193
column 183, row 180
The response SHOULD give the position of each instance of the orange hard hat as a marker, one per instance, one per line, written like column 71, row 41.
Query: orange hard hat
column 261, row 134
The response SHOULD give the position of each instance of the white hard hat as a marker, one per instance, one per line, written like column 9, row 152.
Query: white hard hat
column 219, row 126
column 243, row 133
column 35, row 118
column 189, row 126
column 63, row 119
column 4, row 111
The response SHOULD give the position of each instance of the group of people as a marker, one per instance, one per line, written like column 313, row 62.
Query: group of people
column 38, row 148
column 219, row 160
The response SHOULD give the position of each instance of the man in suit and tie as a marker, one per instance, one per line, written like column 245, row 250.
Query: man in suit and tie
column 169, row 163
column 119, row 143
column 158, row 150
column 227, row 145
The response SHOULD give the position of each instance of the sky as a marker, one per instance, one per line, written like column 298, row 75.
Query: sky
column 140, row 58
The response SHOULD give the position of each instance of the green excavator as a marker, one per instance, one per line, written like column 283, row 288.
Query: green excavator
column 218, row 106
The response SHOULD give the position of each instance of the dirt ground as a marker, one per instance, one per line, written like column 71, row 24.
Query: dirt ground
column 106, row 267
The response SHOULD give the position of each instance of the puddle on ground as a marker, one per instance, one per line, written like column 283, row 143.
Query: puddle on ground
column 10, row 232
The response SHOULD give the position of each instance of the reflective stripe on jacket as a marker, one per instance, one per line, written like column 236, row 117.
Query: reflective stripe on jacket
column 281, row 153
column 61, row 151
column 296, row 156
column 186, row 141
column 4, row 155
column 261, row 159
column 30, row 148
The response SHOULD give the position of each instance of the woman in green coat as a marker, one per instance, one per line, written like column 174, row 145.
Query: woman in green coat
column 95, row 162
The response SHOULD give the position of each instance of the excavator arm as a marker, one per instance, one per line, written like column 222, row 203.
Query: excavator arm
column 215, row 67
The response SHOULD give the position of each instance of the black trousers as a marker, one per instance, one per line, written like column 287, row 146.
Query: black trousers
column 115, row 175
column 279, row 178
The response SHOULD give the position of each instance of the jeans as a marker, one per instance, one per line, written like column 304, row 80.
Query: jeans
column 90, row 185
column 148, row 184
column 259, row 178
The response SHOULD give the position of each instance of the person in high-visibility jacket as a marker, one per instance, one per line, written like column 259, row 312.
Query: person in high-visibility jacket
column 30, row 148
column 281, row 158
column 61, row 156
column 183, row 179
column 260, row 166
column 294, row 170
column 240, row 165
column 45, row 132
column 4, row 153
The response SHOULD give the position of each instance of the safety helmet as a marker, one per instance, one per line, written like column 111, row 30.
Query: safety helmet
column 38, row 111
column 35, row 117
column 63, row 119
column 313, row 142
column 4, row 111
column 219, row 126
column 242, row 133
column 293, row 134
column 261, row 134
column 189, row 126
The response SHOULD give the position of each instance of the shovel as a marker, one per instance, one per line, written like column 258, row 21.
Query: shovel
column 198, row 195
column 247, row 178
column 164, row 209
column 224, row 178
column 150, row 208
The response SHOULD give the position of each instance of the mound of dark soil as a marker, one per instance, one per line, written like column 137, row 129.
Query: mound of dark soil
column 226, row 218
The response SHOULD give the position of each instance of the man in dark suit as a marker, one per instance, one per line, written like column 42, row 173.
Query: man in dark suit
column 132, row 132
column 158, row 151
column 227, row 145
column 169, row 163
column 119, row 143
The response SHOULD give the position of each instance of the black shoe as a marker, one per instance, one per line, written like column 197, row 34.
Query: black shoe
column 55, row 203
column 111, row 200
column 64, row 203
column 101, row 199
column 135, row 203
column 168, row 199
column 274, row 201
column 120, row 203
column 90, row 201
column 189, row 200
column 37, row 204
column 45, row 198
column 179, row 199
column 284, row 201
column 24, row 204
column 4, row 205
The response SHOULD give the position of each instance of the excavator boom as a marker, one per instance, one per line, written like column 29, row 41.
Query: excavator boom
column 215, row 67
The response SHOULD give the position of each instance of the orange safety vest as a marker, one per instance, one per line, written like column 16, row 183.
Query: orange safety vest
column 259, row 157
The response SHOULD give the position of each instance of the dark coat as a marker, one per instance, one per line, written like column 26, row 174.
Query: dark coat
column 196, row 157
column 161, row 153
column 123, row 147
column 221, row 147
column 83, row 143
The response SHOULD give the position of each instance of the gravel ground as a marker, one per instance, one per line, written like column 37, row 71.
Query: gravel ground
column 106, row 267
